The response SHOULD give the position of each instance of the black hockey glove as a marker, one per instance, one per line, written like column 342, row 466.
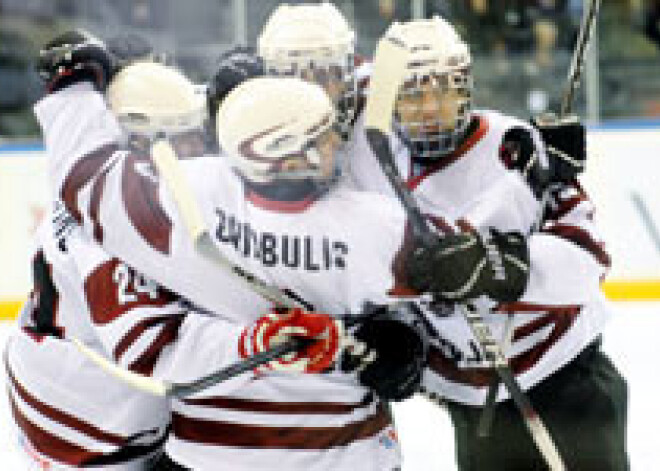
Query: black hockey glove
column 519, row 153
column 460, row 267
column 396, row 348
column 565, row 141
column 73, row 57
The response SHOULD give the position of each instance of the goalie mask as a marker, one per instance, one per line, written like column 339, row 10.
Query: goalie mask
column 279, row 129
column 151, row 99
column 316, row 43
column 434, row 104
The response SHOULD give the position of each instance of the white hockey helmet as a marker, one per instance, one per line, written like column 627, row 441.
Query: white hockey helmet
column 315, row 42
column 278, row 128
column 440, row 63
column 150, row 98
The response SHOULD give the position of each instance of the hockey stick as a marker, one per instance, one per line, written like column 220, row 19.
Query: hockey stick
column 170, row 170
column 167, row 163
column 572, row 81
column 488, row 414
column 577, row 62
column 390, row 61
column 179, row 390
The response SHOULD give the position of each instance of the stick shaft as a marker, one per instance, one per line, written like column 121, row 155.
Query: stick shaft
column 577, row 61
column 390, row 62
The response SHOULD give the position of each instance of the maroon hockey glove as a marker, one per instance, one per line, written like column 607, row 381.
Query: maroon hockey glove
column 273, row 329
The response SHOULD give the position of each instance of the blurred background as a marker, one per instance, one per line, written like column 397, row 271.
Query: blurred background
column 522, row 48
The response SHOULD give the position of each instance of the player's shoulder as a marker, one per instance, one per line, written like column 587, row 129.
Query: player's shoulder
column 368, row 205
column 501, row 122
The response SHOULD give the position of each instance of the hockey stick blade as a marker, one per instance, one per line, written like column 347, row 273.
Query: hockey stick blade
column 179, row 390
column 389, row 64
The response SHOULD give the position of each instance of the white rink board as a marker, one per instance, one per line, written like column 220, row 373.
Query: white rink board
column 623, row 162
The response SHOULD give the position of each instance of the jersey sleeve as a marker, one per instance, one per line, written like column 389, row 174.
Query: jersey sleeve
column 568, row 256
column 149, row 330
column 119, row 201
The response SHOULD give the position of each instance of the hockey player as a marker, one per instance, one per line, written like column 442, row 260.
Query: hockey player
column 84, row 294
column 68, row 411
column 485, row 170
column 315, row 42
column 281, row 220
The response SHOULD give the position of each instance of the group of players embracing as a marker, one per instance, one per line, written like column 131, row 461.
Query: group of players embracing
column 275, row 222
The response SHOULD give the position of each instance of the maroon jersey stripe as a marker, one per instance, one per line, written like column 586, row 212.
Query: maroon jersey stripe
column 51, row 445
column 139, row 329
column 295, row 438
column 62, row 417
column 147, row 360
column 95, row 203
column 143, row 206
column 561, row 318
column 305, row 408
column 583, row 239
column 81, row 174
column 564, row 207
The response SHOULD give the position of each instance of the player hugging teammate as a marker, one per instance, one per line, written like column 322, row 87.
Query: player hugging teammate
column 195, row 232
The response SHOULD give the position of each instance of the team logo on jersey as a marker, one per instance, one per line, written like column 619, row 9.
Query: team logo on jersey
column 389, row 438
column 305, row 252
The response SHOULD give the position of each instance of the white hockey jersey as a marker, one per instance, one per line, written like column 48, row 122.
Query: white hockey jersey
column 335, row 253
column 68, row 411
column 562, row 309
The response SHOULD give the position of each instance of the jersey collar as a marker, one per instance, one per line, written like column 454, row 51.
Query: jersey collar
column 296, row 206
column 459, row 152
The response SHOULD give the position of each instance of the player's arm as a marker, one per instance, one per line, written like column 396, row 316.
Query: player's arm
column 114, row 195
column 150, row 331
column 567, row 255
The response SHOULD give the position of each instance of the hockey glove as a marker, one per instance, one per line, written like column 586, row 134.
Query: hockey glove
column 519, row 153
column 273, row 329
column 73, row 57
column 460, row 267
column 393, row 353
column 565, row 141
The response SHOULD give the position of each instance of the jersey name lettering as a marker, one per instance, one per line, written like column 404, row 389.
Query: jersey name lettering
column 304, row 252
